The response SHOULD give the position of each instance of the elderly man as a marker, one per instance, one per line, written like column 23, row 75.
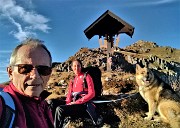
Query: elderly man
column 29, row 71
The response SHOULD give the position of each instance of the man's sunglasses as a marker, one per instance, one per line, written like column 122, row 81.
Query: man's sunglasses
column 26, row 68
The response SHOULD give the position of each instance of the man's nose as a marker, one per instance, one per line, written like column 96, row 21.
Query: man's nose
column 34, row 73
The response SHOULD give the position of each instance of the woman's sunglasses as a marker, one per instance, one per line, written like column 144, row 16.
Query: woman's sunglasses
column 26, row 68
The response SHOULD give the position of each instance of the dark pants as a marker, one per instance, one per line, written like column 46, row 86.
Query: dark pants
column 76, row 110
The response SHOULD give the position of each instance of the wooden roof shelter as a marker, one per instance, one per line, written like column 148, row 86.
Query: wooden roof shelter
column 108, row 25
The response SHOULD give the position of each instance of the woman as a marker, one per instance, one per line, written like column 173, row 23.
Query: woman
column 78, row 97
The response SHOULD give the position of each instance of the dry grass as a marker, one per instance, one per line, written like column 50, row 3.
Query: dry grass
column 127, row 113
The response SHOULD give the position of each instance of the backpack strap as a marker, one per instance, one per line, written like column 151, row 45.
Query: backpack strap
column 84, row 81
column 9, row 110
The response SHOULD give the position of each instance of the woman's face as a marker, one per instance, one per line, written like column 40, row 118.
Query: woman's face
column 76, row 67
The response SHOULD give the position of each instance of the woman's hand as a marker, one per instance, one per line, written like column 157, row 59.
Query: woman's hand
column 71, row 103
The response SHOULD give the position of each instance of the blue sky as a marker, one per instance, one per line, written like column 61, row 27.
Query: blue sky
column 60, row 23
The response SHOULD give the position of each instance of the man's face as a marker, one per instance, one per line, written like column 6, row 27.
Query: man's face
column 76, row 67
column 32, row 83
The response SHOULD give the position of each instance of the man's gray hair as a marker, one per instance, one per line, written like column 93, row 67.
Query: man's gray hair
column 34, row 43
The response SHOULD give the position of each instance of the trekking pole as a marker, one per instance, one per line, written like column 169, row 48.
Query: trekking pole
column 109, row 101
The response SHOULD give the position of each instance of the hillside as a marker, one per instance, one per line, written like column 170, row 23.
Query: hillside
column 126, row 113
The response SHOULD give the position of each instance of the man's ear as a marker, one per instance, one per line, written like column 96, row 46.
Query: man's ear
column 9, row 71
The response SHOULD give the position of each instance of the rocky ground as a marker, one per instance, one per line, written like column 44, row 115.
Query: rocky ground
column 128, row 112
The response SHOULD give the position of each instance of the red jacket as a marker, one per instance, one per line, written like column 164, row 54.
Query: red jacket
column 76, row 85
column 37, row 109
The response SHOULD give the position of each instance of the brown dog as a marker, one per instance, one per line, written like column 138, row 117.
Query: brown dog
column 160, row 97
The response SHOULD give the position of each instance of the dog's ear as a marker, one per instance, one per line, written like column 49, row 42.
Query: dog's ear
column 138, row 66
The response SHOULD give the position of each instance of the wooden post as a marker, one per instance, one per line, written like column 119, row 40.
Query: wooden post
column 109, row 51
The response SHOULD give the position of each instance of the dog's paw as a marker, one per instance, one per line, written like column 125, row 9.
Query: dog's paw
column 157, row 118
column 146, row 113
column 148, row 118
